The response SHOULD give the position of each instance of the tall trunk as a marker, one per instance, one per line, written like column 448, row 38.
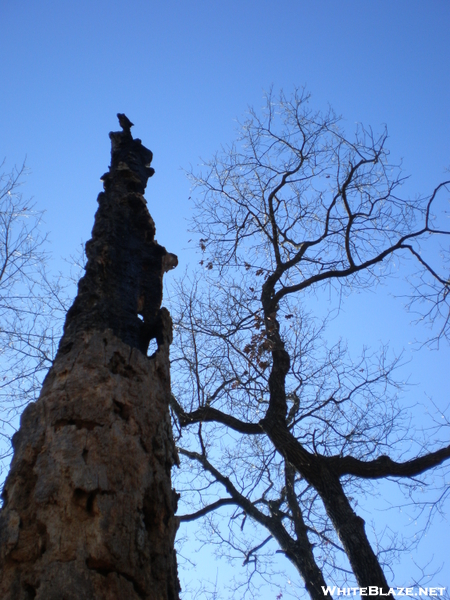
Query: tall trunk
column 351, row 531
column 88, row 507
column 348, row 525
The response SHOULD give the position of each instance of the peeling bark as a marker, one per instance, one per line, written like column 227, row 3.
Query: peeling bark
column 88, row 506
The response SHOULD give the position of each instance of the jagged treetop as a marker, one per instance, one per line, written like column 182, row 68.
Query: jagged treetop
column 122, row 287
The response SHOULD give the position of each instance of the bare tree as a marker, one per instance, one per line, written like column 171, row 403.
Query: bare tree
column 32, row 304
column 271, row 421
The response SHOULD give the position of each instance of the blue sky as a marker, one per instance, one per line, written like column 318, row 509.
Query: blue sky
column 184, row 71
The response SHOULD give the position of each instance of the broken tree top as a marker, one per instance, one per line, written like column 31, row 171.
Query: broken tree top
column 122, row 287
column 130, row 156
column 88, row 507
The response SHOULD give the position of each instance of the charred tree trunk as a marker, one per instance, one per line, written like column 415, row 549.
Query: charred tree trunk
column 88, row 507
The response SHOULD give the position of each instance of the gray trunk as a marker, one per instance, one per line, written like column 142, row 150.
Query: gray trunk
column 88, row 507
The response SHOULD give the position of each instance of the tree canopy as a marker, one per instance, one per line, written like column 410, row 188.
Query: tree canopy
column 273, row 421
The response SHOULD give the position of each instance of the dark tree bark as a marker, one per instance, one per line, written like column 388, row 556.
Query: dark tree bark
column 88, row 507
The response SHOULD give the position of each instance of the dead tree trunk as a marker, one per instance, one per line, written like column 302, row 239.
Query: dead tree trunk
column 88, row 507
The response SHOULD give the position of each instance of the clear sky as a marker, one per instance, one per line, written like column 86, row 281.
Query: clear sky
column 183, row 71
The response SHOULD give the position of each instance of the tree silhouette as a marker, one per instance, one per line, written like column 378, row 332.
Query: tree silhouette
column 270, row 419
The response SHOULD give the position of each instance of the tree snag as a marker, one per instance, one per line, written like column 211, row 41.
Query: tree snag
column 88, row 506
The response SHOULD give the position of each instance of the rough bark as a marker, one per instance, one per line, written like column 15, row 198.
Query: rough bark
column 88, row 507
